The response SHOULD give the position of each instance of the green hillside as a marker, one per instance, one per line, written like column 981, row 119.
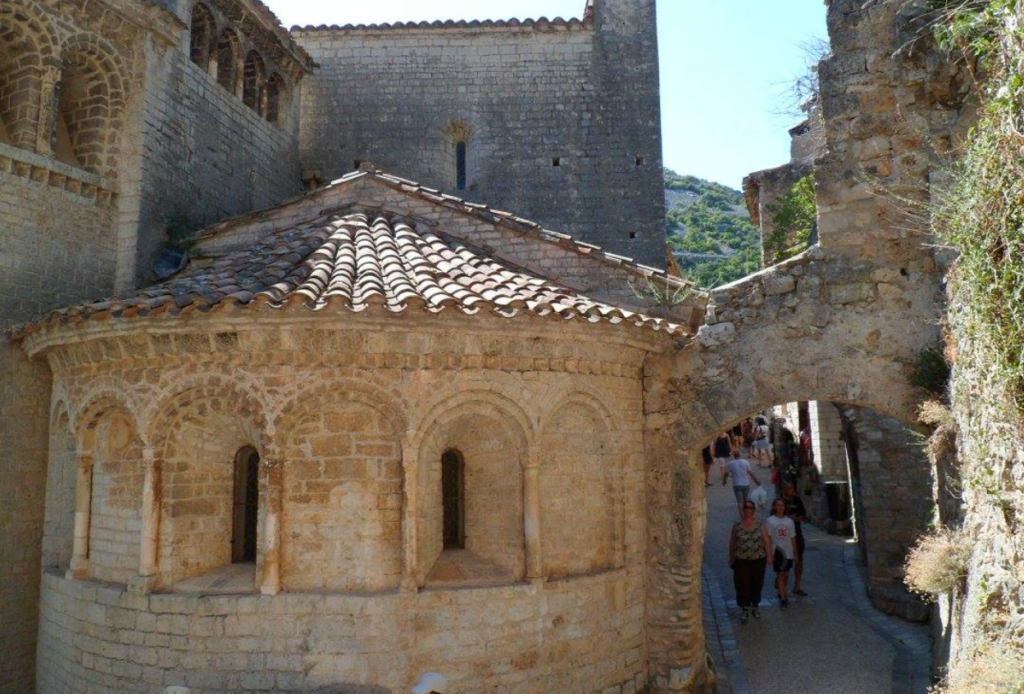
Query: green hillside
column 709, row 230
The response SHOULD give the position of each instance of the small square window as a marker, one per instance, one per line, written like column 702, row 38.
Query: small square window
column 639, row 160
column 632, row 234
column 556, row 161
column 357, row 164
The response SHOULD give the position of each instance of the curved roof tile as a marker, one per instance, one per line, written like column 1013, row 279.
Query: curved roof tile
column 354, row 262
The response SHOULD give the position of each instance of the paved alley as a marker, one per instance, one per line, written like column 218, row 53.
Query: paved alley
column 831, row 642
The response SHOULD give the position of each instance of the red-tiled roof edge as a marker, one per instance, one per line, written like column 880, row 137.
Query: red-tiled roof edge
column 540, row 24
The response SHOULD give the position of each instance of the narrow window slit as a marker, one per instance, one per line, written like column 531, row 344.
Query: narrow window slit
column 460, row 166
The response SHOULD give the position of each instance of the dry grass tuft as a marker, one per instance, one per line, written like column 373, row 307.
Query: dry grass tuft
column 993, row 669
column 938, row 562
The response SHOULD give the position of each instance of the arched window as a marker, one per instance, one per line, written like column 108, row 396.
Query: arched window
column 228, row 58
column 276, row 96
column 254, row 90
column 203, row 28
column 85, row 113
column 460, row 165
column 20, row 85
column 245, row 508
column 453, row 482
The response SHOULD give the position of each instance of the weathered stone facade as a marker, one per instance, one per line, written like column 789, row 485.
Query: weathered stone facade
column 546, row 111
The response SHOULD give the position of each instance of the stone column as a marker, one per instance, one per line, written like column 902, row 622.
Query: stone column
column 46, row 130
column 271, row 584
column 531, row 518
column 83, row 507
column 151, row 501
column 410, row 511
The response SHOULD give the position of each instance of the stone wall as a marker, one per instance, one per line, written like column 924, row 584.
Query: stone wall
column 582, row 636
column 57, row 235
column 206, row 155
column 351, row 417
column 893, row 490
column 548, row 121
column 24, row 413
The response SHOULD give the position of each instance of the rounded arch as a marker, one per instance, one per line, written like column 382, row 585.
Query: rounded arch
column 558, row 398
column 445, row 135
column 226, row 65
column 254, row 83
column 352, row 390
column 473, row 400
column 277, row 99
column 202, row 34
column 91, row 413
column 90, row 105
column 28, row 49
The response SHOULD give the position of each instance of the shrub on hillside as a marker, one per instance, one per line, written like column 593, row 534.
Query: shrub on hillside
column 938, row 562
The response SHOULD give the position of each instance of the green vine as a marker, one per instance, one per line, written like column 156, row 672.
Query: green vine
column 794, row 217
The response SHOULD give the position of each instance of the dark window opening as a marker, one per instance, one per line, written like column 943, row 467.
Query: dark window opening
column 557, row 161
column 453, row 500
column 357, row 164
column 632, row 234
column 460, row 166
column 639, row 160
column 245, row 509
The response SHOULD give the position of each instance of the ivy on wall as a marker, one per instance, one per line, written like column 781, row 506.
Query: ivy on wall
column 794, row 218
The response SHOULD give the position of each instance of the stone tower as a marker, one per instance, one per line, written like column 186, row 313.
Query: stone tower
column 546, row 115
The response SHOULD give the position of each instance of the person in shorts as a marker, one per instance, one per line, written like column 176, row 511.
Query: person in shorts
column 739, row 470
column 722, row 448
column 762, row 451
column 797, row 512
column 783, row 534
column 709, row 462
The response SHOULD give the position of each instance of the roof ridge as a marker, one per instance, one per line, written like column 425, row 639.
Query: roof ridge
column 356, row 262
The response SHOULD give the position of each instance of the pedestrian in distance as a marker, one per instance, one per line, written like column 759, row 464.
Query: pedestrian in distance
column 723, row 449
column 783, row 534
column 709, row 462
column 797, row 512
column 739, row 470
column 761, row 445
column 747, row 427
column 749, row 549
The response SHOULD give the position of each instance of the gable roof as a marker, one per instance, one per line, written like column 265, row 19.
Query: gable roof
column 498, row 218
column 357, row 262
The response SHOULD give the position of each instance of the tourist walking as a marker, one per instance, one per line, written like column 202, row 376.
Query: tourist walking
column 749, row 547
column 709, row 461
column 739, row 470
column 747, row 428
column 761, row 446
column 783, row 535
column 796, row 512
column 723, row 449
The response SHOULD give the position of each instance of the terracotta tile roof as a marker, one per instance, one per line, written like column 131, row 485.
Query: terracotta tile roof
column 540, row 24
column 490, row 215
column 358, row 262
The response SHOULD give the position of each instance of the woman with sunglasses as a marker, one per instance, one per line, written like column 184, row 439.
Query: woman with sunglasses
column 749, row 547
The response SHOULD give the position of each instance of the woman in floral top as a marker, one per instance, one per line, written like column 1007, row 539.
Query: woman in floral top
column 749, row 548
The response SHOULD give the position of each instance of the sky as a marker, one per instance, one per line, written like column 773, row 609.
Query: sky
column 725, row 65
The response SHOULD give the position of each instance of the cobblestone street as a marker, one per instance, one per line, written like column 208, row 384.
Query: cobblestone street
column 831, row 642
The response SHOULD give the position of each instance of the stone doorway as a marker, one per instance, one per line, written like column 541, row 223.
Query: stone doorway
column 245, row 506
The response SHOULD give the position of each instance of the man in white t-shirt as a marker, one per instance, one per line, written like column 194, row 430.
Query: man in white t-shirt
column 739, row 470
column 783, row 533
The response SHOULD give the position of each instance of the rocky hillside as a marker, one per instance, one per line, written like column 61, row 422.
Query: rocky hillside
column 709, row 230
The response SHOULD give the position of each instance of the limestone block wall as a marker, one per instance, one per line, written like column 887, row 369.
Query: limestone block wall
column 24, row 417
column 582, row 636
column 894, row 484
column 57, row 242
column 350, row 420
column 207, row 156
column 828, row 443
column 549, row 124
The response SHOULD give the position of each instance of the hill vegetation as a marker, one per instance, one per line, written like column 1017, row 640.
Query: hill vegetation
column 709, row 230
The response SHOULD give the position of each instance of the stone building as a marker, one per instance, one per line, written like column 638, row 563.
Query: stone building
column 373, row 428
